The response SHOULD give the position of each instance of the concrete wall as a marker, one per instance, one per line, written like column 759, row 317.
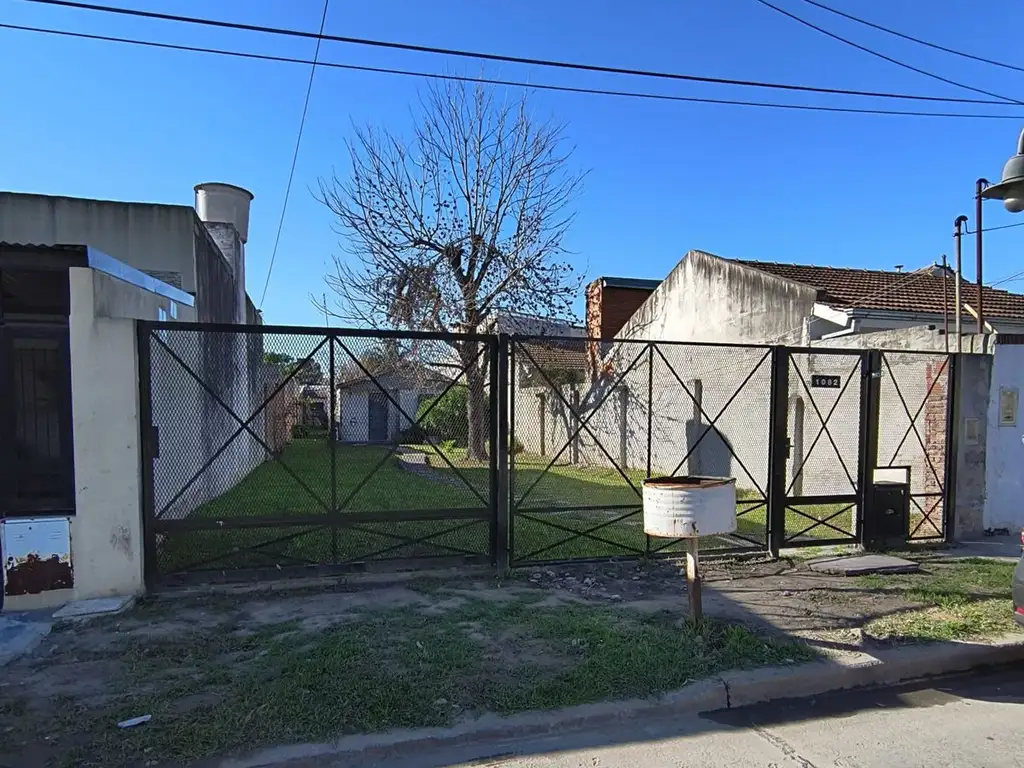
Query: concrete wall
column 706, row 298
column 153, row 238
column 1004, row 480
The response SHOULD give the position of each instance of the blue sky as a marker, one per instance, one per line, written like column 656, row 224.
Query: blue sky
column 93, row 119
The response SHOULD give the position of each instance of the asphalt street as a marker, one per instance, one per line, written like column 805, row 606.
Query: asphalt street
column 975, row 720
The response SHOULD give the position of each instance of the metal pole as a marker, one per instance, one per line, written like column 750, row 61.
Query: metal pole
column 957, row 237
column 693, row 579
column 945, row 302
column 980, row 185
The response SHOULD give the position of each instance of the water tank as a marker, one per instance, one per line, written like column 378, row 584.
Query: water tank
column 687, row 507
column 224, row 203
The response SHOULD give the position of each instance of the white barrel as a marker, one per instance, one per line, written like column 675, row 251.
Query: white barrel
column 686, row 507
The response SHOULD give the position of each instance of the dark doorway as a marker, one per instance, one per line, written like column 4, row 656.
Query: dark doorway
column 37, row 463
column 377, row 431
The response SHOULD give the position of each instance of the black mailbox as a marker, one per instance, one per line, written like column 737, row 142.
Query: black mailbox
column 887, row 522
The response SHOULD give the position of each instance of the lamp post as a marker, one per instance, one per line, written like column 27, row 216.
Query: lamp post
column 1011, row 191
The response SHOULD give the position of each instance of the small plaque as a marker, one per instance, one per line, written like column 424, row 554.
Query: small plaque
column 825, row 382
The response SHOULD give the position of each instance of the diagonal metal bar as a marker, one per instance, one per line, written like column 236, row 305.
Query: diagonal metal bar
column 818, row 523
column 713, row 421
column 391, row 452
column 576, row 534
column 235, row 550
column 755, row 504
column 405, row 541
column 914, row 418
column 281, row 385
column 243, row 427
column 824, row 424
column 926, row 516
column 583, row 422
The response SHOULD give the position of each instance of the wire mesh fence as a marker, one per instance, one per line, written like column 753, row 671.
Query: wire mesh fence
column 275, row 447
column 591, row 420
column 270, row 447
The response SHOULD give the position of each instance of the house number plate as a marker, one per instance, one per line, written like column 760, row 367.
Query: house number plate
column 825, row 382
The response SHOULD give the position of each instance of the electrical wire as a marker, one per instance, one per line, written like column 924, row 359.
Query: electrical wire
column 882, row 56
column 461, row 53
column 911, row 38
column 295, row 154
column 510, row 83
column 1008, row 279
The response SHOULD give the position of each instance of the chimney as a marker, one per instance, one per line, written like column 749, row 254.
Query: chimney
column 218, row 203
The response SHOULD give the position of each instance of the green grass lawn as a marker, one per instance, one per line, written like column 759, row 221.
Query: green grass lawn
column 960, row 599
column 561, row 512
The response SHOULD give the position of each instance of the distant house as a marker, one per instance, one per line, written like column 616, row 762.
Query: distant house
column 378, row 407
column 714, row 300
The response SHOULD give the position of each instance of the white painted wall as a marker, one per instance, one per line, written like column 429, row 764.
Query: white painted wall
column 106, row 533
column 1004, row 469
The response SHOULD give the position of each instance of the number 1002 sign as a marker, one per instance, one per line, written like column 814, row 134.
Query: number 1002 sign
column 825, row 382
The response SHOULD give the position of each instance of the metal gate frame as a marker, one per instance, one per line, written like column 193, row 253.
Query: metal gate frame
column 333, row 513
column 498, row 504
column 640, row 351
column 873, row 367
column 782, row 501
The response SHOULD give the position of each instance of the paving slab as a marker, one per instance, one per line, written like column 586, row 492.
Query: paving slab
column 78, row 610
column 861, row 565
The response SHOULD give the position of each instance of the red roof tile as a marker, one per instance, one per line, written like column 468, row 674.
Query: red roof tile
column 893, row 291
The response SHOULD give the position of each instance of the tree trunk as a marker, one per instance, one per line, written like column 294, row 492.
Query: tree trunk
column 476, row 414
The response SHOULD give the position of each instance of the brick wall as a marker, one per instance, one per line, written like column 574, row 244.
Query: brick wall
column 608, row 309
column 935, row 414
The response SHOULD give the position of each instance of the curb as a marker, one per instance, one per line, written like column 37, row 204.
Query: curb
column 887, row 666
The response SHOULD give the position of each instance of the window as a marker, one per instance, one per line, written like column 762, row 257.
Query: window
column 1008, row 406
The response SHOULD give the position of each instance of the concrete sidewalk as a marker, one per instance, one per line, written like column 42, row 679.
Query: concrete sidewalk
column 477, row 739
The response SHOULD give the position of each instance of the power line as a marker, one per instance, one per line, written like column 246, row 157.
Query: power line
column 295, row 154
column 1009, row 279
column 505, row 58
column 913, row 39
column 510, row 83
column 882, row 56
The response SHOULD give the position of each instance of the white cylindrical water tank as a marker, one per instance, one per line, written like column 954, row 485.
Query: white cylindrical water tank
column 687, row 507
column 227, row 203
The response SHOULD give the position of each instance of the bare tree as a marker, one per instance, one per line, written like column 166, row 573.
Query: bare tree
column 466, row 219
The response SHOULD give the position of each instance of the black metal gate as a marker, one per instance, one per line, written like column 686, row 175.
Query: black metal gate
column 268, row 448
column 590, row 420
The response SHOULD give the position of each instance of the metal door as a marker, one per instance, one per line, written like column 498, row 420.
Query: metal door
column 377, row 417
column 820, row 500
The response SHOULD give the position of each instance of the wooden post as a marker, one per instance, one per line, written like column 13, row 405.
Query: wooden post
column 693, row 579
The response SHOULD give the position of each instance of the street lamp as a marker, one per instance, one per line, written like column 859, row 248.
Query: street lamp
column 1011, row 191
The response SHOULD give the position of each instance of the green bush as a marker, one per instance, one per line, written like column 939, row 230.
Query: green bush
column 448, row 419
column 308, row 432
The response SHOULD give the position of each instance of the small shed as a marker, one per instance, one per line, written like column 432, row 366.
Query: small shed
column 379, row 408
